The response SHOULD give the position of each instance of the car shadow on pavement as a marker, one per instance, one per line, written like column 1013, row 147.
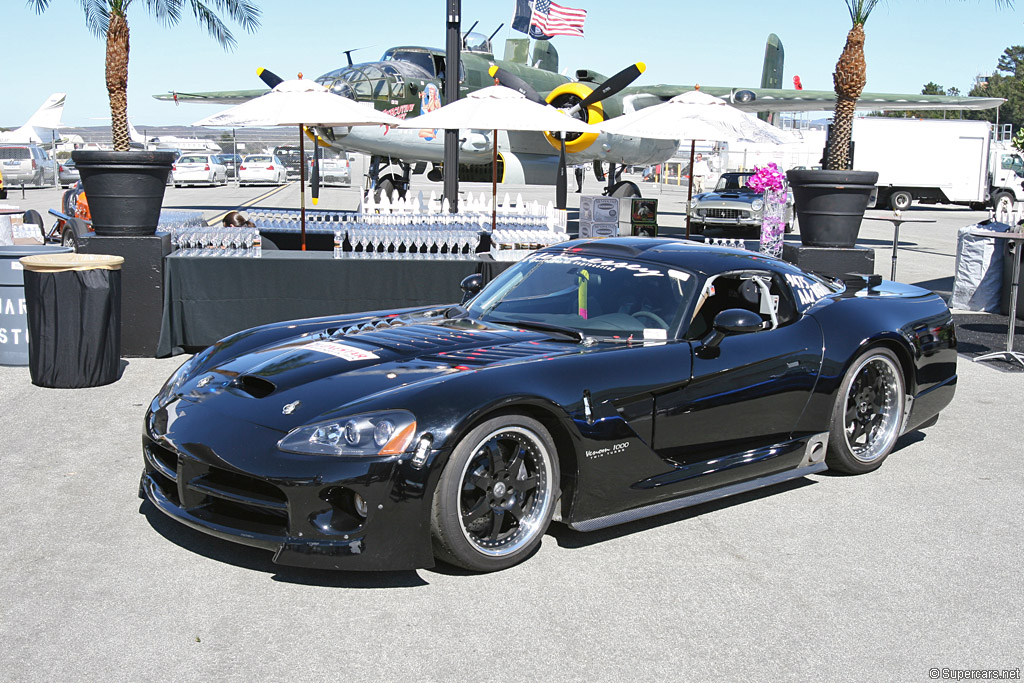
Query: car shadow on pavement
column 569, row 538
column 259, row 560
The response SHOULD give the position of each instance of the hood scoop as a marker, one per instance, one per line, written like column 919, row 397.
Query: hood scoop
column 255, row 386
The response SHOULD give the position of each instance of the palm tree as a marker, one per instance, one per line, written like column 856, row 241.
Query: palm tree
column 849, row 79
column 109, row 19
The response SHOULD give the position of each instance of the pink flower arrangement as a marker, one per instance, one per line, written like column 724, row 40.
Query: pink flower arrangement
column 767, row 178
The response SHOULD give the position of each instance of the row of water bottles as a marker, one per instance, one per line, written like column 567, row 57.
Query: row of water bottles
column 217, row 242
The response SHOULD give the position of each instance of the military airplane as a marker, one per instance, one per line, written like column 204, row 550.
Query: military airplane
column 407, row 81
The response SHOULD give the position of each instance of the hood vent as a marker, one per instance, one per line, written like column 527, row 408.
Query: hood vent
column 257, row 387
column 496, row 354
column 414, row 338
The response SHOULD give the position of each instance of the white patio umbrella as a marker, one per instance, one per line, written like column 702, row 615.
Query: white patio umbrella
column 299, row 103
column 695, row 116
column 497, row 108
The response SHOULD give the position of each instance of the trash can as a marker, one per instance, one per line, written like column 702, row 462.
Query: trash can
column 13, row 323
column 73, row 303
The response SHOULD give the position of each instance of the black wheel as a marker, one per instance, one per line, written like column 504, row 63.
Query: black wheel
column 1002, row 202
column 624, row 188
column 69, row 238
column 32, row 216
column 496, row 495
column 900, row 200
column 868, row 414
column 384, row 188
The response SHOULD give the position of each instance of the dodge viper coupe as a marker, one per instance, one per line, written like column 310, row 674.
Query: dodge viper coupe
column 593, row 383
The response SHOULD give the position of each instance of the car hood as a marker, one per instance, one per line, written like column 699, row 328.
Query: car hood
column 321, row 375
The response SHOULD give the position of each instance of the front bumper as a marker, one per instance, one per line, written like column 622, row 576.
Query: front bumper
column 304, row 512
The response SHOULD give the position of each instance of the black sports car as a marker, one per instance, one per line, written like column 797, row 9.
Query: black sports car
column 593, row 383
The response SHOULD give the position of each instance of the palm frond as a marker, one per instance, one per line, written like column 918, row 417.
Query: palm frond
column 167, row 12
column 861, row 9
column 243, row 12
column 38, row 5
column 97, row 16
column 213, row 24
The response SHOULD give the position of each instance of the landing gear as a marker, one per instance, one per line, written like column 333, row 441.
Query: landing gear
column 387, row 178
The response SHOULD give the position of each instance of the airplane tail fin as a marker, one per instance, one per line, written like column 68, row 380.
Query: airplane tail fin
column 771, row 70
column 135, row 135
column 48, row 115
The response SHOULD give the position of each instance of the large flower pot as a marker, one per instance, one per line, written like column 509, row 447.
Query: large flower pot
column 830, row 205
column 125, row 189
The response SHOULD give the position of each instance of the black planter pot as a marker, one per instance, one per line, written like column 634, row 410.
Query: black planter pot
column 125, row 189
column 830, row 205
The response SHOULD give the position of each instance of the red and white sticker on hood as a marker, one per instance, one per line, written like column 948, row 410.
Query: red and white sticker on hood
column 344, row 351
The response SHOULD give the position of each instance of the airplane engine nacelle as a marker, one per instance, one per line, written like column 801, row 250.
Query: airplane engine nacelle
column 565, row 96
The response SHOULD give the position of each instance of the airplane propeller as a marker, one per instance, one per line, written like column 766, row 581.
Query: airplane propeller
column 269, row 77
column 603, row 91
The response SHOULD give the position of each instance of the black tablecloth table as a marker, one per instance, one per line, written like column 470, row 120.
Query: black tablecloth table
column 206, row 299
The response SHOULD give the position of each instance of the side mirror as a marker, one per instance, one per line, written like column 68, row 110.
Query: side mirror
column 728, row 322
column 471, row 286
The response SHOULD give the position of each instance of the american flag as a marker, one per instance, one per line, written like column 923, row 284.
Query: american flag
column 551, row 19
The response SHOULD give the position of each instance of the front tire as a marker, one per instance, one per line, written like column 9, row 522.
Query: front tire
column 1002, row 202
column 496, row 496
column 868, row 415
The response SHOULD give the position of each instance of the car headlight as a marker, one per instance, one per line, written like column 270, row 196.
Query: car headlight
column 370, row 434
column 757, row 204
column 175, row 382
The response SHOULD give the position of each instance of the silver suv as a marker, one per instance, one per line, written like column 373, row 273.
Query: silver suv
column 26, row 165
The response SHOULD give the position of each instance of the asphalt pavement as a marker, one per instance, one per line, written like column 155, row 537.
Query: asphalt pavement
column 880, row 577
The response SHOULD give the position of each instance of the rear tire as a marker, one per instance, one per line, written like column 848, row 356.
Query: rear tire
column 496, row 495
column 868, row 415
column 69, row 236
column 900, row 200
column 32, row 216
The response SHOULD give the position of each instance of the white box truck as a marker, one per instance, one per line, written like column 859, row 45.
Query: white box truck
column 934, row 161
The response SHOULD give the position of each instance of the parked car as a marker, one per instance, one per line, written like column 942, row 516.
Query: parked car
column 198, row 169
column 68, row 173
column 336, row 169
column 27, row 165
column 290, row 155
column 230, row 162
column 595, row 382
column 732, row 205
column 262, row 169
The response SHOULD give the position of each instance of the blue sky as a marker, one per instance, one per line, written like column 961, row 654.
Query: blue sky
column 909, row 43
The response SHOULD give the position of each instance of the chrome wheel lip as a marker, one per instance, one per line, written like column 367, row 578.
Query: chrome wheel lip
column 885, row 434
column 538, row 511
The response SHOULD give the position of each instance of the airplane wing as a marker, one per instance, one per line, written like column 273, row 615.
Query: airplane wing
column 213, row 97
column 777, row 99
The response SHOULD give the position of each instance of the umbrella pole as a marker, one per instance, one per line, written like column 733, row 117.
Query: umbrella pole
column 494, row 182
column 689, row 189
column 302, row 188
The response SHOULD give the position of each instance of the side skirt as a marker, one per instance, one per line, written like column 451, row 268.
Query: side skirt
column 696, row 499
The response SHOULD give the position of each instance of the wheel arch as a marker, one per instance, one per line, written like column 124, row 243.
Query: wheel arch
column 549, row 414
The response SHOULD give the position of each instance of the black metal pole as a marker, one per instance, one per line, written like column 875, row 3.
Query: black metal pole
column 453, row 49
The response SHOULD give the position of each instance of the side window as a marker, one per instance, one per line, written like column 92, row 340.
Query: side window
column 764, row 293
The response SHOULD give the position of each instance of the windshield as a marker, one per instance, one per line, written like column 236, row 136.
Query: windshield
column 734, row 181
column 598, row 296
